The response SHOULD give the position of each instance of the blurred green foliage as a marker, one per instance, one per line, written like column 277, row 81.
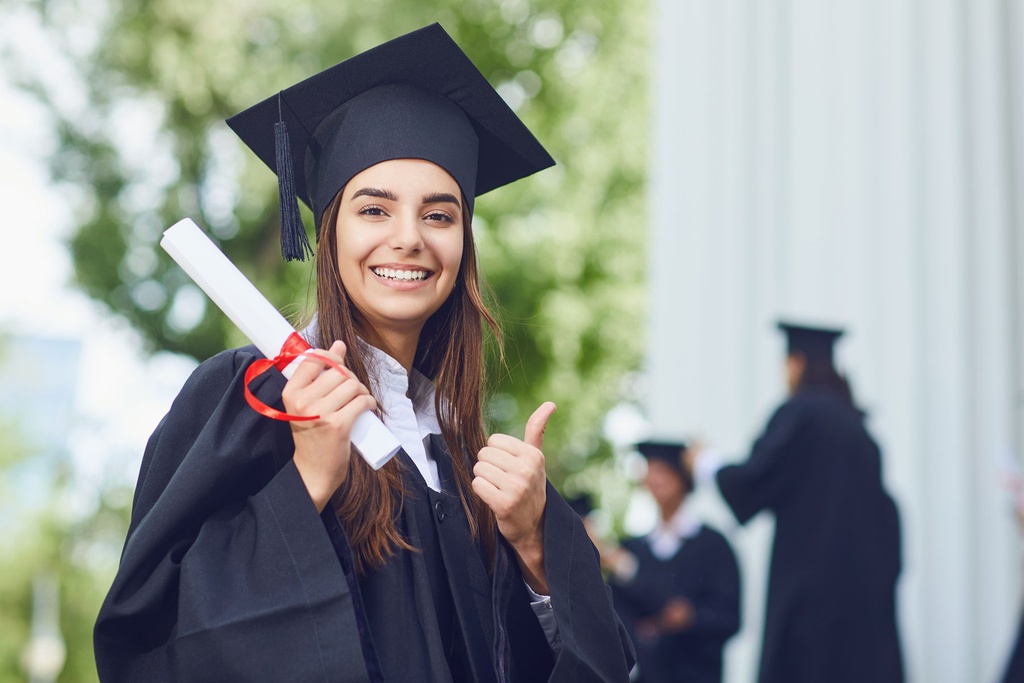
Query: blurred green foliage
column 562, row 251
column 51, row 538
column 142, row 143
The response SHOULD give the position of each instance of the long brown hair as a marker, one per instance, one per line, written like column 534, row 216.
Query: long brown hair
column 450, row 353
column 821, row 375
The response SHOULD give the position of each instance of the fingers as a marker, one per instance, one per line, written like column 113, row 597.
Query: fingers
column 511, row 464
column 505, row 496
column 312, row 367
column 488, row 492
column 314, row 391
column 537, row 423
column 511, row 455
column 509, row 478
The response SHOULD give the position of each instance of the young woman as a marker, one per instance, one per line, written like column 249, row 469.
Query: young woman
column 263, row 550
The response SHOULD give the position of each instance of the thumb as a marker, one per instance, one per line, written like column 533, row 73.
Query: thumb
column 537, row 423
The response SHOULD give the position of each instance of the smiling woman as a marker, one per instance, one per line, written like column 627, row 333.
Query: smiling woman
column 399, row 248
column 264, row 551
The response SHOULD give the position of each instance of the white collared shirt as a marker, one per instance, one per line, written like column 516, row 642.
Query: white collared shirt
column 668, row 537
column 407, row 401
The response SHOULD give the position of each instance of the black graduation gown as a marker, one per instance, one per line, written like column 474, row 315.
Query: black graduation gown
column 1015, row 666
column 705, row 572
column 831, row 609
column 229, row 574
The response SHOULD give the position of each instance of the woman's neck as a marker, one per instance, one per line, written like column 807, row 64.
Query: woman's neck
column 400, row 346
column 669, row 508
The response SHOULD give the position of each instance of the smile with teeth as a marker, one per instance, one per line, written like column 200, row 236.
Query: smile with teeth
column 403, row 275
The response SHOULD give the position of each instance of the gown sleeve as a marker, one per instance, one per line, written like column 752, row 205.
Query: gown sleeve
column 228, row 572
column 594, row 643
column 768, row 474
column 717, row 608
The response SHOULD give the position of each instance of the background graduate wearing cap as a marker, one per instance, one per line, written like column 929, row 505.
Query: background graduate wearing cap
column 267, row 551
column 677, row 589
column 831, row 608
column 1014, row 668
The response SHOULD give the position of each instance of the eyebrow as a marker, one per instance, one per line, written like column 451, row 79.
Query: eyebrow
column 442, row 197
column 375, row 192
column 433, row 198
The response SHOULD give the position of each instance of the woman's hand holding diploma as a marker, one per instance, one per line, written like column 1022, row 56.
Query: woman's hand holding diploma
column 509, row 477
column 323, row 447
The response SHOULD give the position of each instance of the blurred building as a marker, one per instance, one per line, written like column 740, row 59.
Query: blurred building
column 855, row 164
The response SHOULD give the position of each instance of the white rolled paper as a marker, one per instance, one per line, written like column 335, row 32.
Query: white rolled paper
column 259, row 320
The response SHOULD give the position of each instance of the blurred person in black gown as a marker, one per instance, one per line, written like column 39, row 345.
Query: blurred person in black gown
column 831, row 608
column 677, row 589
column 1015, row 667
column 1014, row 672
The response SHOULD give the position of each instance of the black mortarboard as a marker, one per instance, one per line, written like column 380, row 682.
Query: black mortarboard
column 417, row 96
column 812, row 342
column 582, row 504
column 668, row 452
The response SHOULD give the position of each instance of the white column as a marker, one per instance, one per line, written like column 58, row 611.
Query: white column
column 856, row 163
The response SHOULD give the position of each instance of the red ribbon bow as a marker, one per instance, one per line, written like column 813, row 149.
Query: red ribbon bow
column 293, row 347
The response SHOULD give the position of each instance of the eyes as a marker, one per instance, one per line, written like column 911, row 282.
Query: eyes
column 433, row 216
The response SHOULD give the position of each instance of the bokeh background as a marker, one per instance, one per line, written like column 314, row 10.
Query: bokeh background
column 721, row 164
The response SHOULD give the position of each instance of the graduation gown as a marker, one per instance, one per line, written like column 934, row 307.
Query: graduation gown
column 229, row 573
column 831, row 608
column 704, row 571
column 1014, row 672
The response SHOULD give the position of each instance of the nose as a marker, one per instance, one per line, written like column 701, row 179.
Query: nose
column 405, row 234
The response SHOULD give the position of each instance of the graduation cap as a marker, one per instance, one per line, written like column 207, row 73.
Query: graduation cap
column 812, row 342
column 415, row 97
column 668, row 452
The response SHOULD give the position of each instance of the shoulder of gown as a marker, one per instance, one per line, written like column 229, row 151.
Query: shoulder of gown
column 228, row 572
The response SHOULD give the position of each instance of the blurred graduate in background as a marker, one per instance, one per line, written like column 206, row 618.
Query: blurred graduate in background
column 1014, row 672
column 677, row 589
column 831, row 607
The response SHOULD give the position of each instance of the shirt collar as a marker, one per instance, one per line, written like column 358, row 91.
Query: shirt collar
column 668, row 537
column 390, row 383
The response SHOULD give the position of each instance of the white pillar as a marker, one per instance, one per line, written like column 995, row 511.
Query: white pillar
column 854, row 163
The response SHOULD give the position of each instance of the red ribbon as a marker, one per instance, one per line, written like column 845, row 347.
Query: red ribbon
column 293, row 347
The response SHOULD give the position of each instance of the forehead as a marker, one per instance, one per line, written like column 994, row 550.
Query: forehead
column 413, row 175
column 658, row 467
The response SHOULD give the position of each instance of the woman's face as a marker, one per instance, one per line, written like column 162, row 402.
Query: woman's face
column 400, row 242
column 664, row 483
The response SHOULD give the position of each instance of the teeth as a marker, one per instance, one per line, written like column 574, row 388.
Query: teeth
column 393, row 274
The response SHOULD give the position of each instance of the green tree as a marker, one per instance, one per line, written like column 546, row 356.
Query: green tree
column 42, row 538
column 562, row 251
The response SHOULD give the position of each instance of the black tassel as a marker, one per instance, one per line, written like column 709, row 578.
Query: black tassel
column 294, row 242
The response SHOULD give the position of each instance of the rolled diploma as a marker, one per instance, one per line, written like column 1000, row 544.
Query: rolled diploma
column 259, row 320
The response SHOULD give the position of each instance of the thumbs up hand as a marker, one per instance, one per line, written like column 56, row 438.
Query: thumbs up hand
column 509, row 477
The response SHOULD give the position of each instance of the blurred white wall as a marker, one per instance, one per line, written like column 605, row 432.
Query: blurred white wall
column 856, row 164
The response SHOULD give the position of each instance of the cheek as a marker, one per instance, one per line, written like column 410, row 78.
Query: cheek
column 353, row 248
column 449, row 251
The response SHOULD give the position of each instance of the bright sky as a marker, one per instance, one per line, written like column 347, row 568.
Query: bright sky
column 119, row 394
